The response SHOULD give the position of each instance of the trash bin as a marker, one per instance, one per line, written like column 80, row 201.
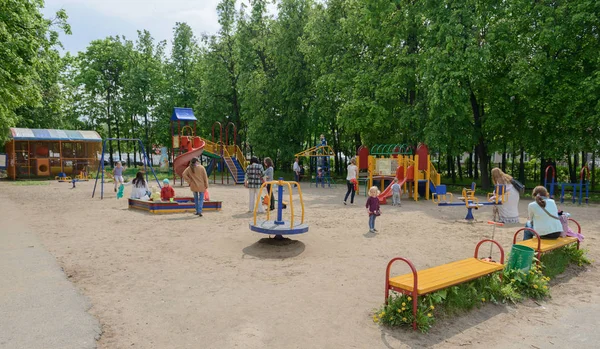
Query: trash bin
column 521, row 257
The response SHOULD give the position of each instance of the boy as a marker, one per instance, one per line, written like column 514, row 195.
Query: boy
column 396, row 193
column 167, row 192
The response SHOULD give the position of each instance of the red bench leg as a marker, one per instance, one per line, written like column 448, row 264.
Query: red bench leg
column 414, row 292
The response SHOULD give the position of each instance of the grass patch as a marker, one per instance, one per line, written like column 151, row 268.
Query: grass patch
column 555, row 262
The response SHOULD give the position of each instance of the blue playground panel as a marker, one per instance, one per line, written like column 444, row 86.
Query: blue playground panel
column 272, row 228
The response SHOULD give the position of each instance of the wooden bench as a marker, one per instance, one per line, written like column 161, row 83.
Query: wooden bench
column 418, row 283
column 540, row 245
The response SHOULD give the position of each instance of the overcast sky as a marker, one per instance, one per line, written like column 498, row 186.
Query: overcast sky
column 97, row 19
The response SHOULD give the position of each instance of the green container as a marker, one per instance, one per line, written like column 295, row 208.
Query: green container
column 521, row 257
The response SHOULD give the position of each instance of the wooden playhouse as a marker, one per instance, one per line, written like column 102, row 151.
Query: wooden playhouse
column 33, row 153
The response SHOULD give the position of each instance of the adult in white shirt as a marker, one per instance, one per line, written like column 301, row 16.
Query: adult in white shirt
column 543, row 215
column 350, row 180
column 297, row 170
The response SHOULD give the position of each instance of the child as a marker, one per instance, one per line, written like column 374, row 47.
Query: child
column 167, row 192
column 373, row 208
column 396, row 193
column 320, row 177
column 118, row 174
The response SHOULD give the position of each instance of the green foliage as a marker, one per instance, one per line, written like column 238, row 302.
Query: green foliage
column 555, row 262
column 460, row 76
column 29, row 64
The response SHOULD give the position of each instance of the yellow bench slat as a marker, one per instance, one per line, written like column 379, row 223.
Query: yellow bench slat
column 548, row 244
column 446, row 275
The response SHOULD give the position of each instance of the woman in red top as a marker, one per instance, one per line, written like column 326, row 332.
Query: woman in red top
column 167, row 192
column 373, row 208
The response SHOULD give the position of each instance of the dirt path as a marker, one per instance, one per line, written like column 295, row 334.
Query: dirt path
column 179, row 281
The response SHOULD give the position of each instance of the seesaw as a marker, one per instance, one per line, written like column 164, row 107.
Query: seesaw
column 471, row 202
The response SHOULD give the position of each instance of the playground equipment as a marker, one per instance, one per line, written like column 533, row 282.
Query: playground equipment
column 177, row 205
column 584, row 184
column 186, row 145
column 384, row 162
column 279, row 226
column 471, row 202
column 320, row 156
column 146, row 162
column 47, row 153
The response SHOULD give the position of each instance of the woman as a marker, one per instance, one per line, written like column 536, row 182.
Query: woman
column 543, row 216
column 509, row 210
column 269, row 172
column 254, row 176
column 196, row 177
column 352, row 174
column 140, row 187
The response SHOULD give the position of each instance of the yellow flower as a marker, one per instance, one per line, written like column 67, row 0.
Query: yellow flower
column 483, row 299
column 545, row 287
column 375, row 320
column 381, row 314
column 400, row 310
column 404, row 319
column 432, row 307
column 535, row 286
column 410, row 298
column 403, row 304
column 512, row 280
column 429, row 315
column 403, row 308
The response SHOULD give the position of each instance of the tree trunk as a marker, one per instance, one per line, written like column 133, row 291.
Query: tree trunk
column 134, row 143
column 504, row 159
column 512, row 162
column 475, row 165
column 478, row 114
column 576, row 167
column 571, row 169
column 470, row 165
column 460, row 174
column 147, row 133
column 451, row 172
column 593, row 170
column 522, row 167
column 110, row 148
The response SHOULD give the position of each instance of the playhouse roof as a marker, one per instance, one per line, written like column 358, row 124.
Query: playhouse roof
column 183, row 114
column 36, row 134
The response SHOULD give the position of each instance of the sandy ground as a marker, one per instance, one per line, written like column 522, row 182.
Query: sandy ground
column 181, row 281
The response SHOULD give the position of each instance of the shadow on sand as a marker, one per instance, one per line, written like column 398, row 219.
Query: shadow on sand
column 270, row 248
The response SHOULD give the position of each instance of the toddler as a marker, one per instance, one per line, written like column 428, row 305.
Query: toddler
column 167, row 192
column 373, row 208
column 396, row 193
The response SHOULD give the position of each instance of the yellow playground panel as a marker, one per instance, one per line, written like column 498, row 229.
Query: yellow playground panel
column 398, row 161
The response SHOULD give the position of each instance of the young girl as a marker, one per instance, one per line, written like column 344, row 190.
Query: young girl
column 269, row 172
column 118, row 174
column 373, row 208
column 140, row 187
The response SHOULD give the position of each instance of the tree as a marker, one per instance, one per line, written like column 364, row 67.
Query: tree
column 101, row 69
column 27, row 57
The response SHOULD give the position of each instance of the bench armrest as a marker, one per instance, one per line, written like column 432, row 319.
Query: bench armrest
column 476, row 255
column 534, row 232
column 576, row 223
column 415, row 291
